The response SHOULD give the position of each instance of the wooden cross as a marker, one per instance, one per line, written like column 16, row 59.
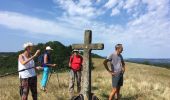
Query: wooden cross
column 87, row 47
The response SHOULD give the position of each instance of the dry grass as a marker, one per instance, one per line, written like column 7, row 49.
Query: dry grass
column 141, row 82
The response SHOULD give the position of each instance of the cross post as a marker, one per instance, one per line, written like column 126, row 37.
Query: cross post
column 87, row 47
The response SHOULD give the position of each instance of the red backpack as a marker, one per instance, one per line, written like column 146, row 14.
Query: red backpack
column 76, row 62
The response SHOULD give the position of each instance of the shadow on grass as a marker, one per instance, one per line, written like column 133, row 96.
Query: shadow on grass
column 134, row 97
column 129, row 98
column 94, row 88
column 105, row 95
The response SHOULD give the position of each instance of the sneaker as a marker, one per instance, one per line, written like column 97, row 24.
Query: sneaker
column 43, row 89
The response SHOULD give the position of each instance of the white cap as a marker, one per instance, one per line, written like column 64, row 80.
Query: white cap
column 48, row 48
column 27, row 45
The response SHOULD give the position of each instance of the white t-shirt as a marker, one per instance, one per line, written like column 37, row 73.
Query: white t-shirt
column 27, row 73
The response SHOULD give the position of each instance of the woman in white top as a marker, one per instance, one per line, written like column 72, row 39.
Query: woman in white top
column 28, row 78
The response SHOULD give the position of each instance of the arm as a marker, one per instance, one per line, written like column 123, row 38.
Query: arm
column 46, row 61
column 23, row 61
column 81, row 60
column 106, row 66
column 70, row 62
column 81, row 63
column 123, row 64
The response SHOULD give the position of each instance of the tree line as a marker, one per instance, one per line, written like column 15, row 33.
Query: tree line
column 60, row 55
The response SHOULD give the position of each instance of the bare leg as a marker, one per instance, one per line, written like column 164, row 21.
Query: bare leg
column 117, row 94
column 112, row 93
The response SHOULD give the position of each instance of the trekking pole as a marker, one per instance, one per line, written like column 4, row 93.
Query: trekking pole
column 7, row 74
column 50, row 77
column 58, row 80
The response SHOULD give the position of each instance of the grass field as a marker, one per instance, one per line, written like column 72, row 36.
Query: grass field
column 141, row 82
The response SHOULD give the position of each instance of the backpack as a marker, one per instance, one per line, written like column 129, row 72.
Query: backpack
column 71, row 61
column 72, row 57
column 81, row 97
column 41, row 59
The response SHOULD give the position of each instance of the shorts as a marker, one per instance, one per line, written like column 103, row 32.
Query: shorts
column 117, row 80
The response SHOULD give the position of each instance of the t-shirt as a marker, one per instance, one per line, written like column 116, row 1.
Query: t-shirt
column 76, row 62
column 48, row 59
column 116, row 62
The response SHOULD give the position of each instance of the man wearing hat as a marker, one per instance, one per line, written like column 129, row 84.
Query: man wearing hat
column 46, row 64
column 75, row 65
column 28, row 78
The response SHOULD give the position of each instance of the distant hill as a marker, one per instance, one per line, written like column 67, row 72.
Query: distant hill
column 5, row 54
column 164, row 62
column 60, row 55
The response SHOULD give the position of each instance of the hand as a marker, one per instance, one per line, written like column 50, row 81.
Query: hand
column 54, row 65
column 123, row 70
column 69, row 65
column 112, row 73
column 39, row 68
column 37, row 53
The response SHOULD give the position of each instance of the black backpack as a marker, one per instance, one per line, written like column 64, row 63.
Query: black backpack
column 81, row 97
column 41, row 59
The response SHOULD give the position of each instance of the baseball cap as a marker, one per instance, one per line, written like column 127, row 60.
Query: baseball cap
column 48, row 48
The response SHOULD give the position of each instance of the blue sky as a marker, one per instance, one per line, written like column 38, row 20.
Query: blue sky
column 142, row 26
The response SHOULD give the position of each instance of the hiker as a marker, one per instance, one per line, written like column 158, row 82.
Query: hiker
column 75, row 65
column 117, row 70
column 28, row 78
column 46, row 67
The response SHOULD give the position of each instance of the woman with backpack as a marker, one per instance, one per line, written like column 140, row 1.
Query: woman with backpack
column 46, row 64
column 75, row 65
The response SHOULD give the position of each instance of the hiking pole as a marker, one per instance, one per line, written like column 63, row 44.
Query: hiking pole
column 58, row 80
column 50, row 77
column 7, row 74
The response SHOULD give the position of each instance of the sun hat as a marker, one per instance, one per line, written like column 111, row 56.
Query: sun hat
column 27, row 45
column 75, row 50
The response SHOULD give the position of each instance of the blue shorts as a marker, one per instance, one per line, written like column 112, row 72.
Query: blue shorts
column 117, row 80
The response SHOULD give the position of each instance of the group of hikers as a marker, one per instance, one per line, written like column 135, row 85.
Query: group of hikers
column 28, row 78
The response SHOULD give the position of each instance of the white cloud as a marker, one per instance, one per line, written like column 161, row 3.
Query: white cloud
column 115, row 11
column 98, row 1
column 156, row 4
column 121, row 4
column 32, row 24
column 85, row 3
column 131, row 3
column 149, row 30
column 111, row 3
column 79, row 8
